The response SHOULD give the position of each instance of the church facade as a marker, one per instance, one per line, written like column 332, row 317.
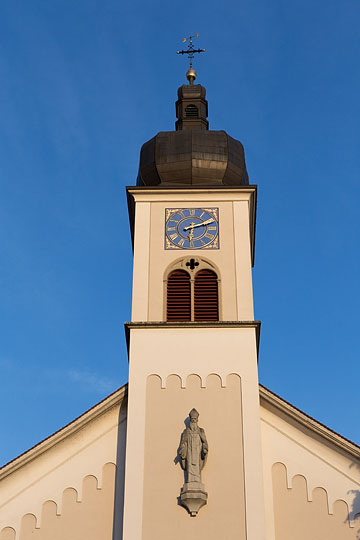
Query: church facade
column 193, row 446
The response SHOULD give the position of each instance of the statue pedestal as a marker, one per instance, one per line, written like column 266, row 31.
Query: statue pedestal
column 193, row 497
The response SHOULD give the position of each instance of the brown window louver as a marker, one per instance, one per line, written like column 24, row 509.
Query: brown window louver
column 192, row 111
column 178, row 306
column 206, row 305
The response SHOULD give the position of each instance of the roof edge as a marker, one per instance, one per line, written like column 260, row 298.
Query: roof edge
column 69, row 429
column 307, row 421
column 117, row 397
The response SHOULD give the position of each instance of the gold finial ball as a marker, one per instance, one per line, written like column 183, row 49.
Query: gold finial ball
column 191, row 75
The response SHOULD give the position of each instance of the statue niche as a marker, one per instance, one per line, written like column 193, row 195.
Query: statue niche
column 193, row 452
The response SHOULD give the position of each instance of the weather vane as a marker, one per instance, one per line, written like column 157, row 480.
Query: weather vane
column 191, row 73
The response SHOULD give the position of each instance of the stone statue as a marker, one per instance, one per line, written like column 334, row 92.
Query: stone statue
column 193, row 449
column 193, row 452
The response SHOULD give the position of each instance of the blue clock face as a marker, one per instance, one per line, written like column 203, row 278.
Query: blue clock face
column 191, row 228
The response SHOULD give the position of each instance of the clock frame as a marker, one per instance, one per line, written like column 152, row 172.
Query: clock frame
column 191, row 228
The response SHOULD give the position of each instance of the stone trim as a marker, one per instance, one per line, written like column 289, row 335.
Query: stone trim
column 193, row 324
column 267, row 397
column 81, row 421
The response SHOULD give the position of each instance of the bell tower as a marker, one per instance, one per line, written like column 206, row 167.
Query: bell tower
column 191, row 107
column 193, row 455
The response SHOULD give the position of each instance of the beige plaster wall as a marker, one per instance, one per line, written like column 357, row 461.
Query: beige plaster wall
column 223, row 475
column 323, row 464
column 299, row 518
column 184, row 351
column 27, row 483
column 90, row 518
column 233, row 259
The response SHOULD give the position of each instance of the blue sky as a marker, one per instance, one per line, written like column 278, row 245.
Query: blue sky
column 83, row 85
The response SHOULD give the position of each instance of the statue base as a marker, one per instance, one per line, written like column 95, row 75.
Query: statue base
column 193, row 497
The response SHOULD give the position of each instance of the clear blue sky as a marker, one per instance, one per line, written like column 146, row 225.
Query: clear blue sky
column 83, row 85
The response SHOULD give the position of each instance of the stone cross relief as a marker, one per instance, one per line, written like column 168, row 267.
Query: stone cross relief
column 193, row 453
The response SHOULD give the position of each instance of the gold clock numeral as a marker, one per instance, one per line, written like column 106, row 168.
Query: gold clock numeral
column 200, row 228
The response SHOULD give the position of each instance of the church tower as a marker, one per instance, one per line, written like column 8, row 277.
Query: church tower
column 185, row 451
column 193, row 340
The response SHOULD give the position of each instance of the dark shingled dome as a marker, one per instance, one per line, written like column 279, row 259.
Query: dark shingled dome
column 192, row 155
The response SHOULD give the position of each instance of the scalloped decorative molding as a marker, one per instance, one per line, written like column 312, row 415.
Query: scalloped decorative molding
column 69, row 497
column 309, row 449
column 203, row 378
column 349, row 452
column 311, row 512
column 63, row 460
column 310, row 495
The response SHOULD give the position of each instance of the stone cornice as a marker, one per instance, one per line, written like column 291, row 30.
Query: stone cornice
column 80, row 422
column 193, row 324
column 269, row 398
column 191, row 188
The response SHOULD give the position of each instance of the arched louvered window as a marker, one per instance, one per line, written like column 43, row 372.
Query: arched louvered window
column 191, row 111
column 206, row 303
column 178, row 305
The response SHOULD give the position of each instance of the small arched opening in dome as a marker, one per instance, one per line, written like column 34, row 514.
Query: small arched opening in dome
column 191, row 111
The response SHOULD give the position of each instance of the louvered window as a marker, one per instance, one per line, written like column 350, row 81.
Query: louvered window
column 191, row 111
column 206, row 296
column 178, row 306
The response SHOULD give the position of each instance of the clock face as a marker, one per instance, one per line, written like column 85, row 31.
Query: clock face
column 191, row 228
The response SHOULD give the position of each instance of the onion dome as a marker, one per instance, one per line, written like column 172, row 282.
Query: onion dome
column 193, row 154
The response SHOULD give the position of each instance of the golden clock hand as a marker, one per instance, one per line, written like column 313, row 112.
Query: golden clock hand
column 211, row 220
column 193, row 225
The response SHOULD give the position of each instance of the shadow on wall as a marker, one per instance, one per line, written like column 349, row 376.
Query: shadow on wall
column 354, row 511
column 177, row 459
column 120, row 473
